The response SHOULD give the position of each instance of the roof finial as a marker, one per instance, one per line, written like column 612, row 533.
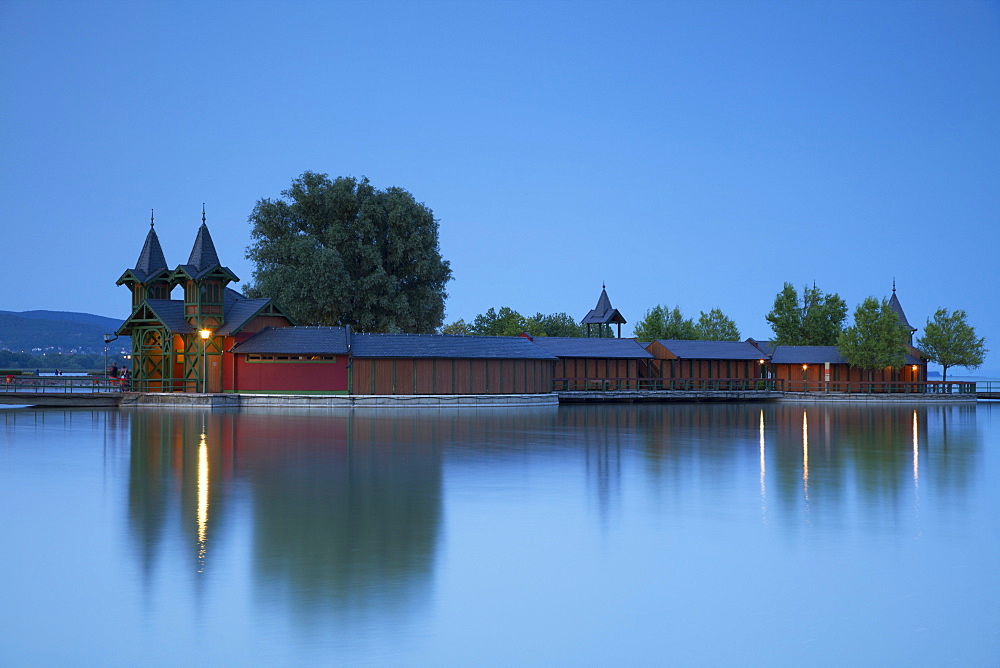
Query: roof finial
column 202, row 213
column 893, row 285
column 603, row 286
column 150, row 217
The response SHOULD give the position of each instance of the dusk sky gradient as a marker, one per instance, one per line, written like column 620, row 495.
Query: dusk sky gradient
column 689, row 153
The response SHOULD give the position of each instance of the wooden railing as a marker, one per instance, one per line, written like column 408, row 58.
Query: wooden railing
column 667, row 384
column 61, row 384
column 761, row 385
column 880, row 387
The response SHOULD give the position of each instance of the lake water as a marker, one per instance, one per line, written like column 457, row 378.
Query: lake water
column 713, row 534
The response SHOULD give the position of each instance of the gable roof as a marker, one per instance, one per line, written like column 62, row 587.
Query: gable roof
column 603, row 313
column 569, row 346
column 238, row 311
column 296, row 340
column 169, row 312
column 766, row 347
column 446, row 346
column 712, row 350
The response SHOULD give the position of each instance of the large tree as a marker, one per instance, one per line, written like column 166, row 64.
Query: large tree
column 716, row 326
column 663, row 323
column 951, row 341
column 877, row 339
column 343, row 252
column 816, row 320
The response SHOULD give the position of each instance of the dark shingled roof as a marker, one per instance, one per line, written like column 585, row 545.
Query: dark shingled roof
column 171, row 314
column 895, row 306
column 296, row 340
column 807, row 355
column 151, row 260
column 568, row 346
column 712, row 350
column 203, row 255
column 204, row 259
column 603, row 313
column 238, row 310
column 766, row 347
column 446, row 346
column 816, row 355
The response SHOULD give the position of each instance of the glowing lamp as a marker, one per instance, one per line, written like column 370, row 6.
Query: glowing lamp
column 205, row 333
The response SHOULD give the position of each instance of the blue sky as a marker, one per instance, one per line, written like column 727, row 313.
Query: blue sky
column 697, row 154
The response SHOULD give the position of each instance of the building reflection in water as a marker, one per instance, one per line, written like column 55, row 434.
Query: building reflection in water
column 818, row 456
column 344, row 510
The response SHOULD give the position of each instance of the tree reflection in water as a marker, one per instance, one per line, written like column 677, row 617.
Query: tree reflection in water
column 346, row 509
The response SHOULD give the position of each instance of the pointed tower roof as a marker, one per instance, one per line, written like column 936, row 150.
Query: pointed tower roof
column 603, row 313
column 151, row 259
column 895, row 306
column 203, row 255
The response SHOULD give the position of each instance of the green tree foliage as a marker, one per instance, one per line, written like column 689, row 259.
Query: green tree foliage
column 951, row 341
column 554, row 324
column 716, row 326
column 877, row 339
column 663, row 323
column 459, row 327
column 505, row 322
column 342, row 252
column 816, row 320
column 508, row 322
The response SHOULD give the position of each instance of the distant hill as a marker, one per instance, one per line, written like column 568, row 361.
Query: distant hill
column 57, row 331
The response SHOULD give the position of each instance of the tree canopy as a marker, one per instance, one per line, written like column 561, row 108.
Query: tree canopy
column 949, row 340
column 716, row 326
column 661, row 322
column 343, row 252
column 877, row 339
column 508, row 322
column 816, row 320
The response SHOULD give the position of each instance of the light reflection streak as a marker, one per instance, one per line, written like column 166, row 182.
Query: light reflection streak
column 202, row 500
column 763, row 488
column 916, row 450
column 805, row 454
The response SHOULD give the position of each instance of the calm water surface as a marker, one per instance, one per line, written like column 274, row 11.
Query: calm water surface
column 746, row 534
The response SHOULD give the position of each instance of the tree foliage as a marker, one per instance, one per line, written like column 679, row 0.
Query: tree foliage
column 950, row 341
column 716, row 326
column 877, row 339
column 508, row 322
column 343, row 252
column 661, row 322
column 816, row 320
column 664, row 323
column 554, row 324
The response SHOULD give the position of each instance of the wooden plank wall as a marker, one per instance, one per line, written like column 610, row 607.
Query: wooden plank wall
column 451, row 376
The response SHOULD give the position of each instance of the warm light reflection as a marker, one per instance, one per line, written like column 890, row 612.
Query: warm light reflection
column 916, row 448
column 805, row 453
column 202, row 499
column 763, row 489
